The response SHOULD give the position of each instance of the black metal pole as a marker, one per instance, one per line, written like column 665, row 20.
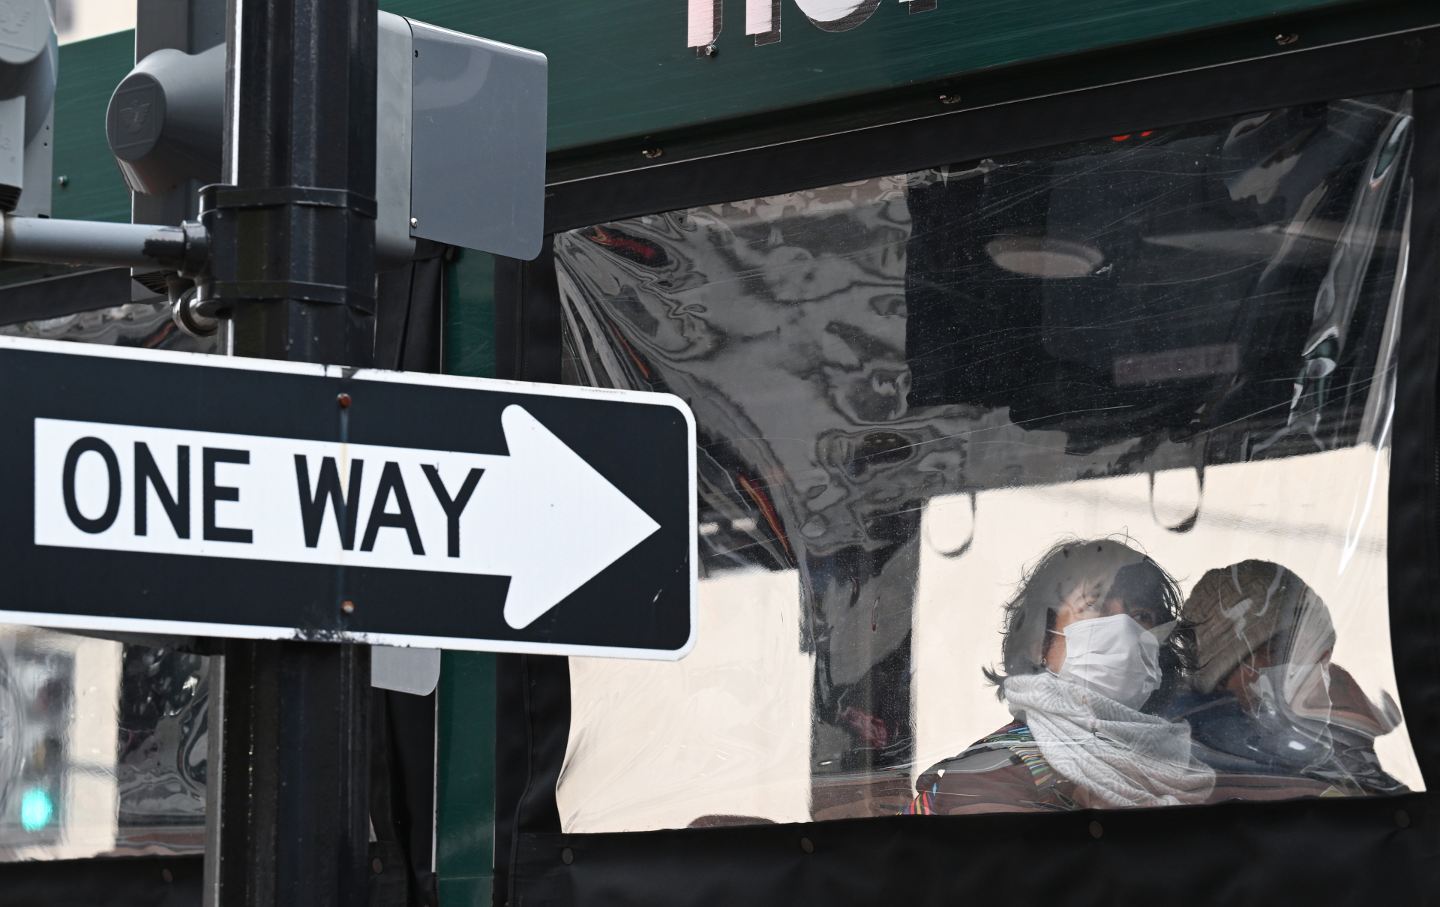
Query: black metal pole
column 292, row 238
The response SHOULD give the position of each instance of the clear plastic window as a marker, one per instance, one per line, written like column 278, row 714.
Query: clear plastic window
column 1045, row 481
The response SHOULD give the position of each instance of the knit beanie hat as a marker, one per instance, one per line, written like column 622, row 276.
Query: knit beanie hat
column 1237, row 609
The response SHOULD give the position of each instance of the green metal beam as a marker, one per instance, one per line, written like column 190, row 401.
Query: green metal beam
column 465, row 786
column 621, row 68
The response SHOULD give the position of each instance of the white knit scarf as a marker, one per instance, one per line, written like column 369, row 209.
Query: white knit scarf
column 1120, row 756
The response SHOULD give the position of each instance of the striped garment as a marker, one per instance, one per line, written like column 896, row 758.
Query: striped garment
column 974, row 781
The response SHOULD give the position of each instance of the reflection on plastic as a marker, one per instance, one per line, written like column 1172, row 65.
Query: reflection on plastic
column 143, row 324
column 1183, row 345
column 1195, row 494
column 943, row 524
column 102, row 745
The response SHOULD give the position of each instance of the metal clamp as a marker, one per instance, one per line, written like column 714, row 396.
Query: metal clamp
column 273, row 225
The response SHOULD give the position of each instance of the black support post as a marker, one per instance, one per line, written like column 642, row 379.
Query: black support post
column 292, row 235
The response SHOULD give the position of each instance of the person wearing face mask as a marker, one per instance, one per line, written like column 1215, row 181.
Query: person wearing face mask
column 1267, row 708
column 1088, row 649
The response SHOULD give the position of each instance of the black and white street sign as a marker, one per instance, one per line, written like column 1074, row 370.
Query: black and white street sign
column 204, row 495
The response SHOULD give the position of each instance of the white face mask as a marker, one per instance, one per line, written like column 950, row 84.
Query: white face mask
column 1114, row 656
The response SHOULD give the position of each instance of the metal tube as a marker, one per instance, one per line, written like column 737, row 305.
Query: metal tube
column 293, row 241
column 49, row 241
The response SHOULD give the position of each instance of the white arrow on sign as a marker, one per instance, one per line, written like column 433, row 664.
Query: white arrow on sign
column 574, row 523
column 540, row 515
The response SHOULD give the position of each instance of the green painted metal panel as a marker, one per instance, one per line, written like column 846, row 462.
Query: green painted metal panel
column 465, row 783
column 621, row 68
column 470, row 341
column 465, row 786
column 88, row 184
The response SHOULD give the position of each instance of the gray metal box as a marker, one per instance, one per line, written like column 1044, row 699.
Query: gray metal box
column 478, row 143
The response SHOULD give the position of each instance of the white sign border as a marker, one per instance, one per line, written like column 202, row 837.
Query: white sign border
column 149, row 626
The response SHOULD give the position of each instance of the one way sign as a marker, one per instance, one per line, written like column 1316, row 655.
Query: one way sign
column 202, row 495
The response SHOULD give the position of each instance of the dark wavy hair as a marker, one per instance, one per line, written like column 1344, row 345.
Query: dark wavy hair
column 1125, row 573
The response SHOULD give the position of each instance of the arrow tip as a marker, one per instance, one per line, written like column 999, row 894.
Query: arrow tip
column 577, row 521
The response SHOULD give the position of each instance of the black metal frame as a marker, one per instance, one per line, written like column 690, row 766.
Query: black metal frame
column 156, row 881
column 1318, row 851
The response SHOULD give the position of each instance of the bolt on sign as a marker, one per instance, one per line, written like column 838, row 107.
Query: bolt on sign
column 209, row 496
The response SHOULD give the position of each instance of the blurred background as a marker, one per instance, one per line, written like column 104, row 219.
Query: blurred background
column 76, row 20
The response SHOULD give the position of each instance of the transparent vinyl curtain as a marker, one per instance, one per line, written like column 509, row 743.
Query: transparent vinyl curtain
column 1046, row 481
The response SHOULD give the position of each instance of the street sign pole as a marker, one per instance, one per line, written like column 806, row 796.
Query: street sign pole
column 293, row 239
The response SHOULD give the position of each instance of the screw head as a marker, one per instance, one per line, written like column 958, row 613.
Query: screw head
column 63, row 181
column 949, row 99
column 343, row 400
column 1285, row 39
column 710, row 50
column 414, row 222
column 652, row 153
column 347, row 606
